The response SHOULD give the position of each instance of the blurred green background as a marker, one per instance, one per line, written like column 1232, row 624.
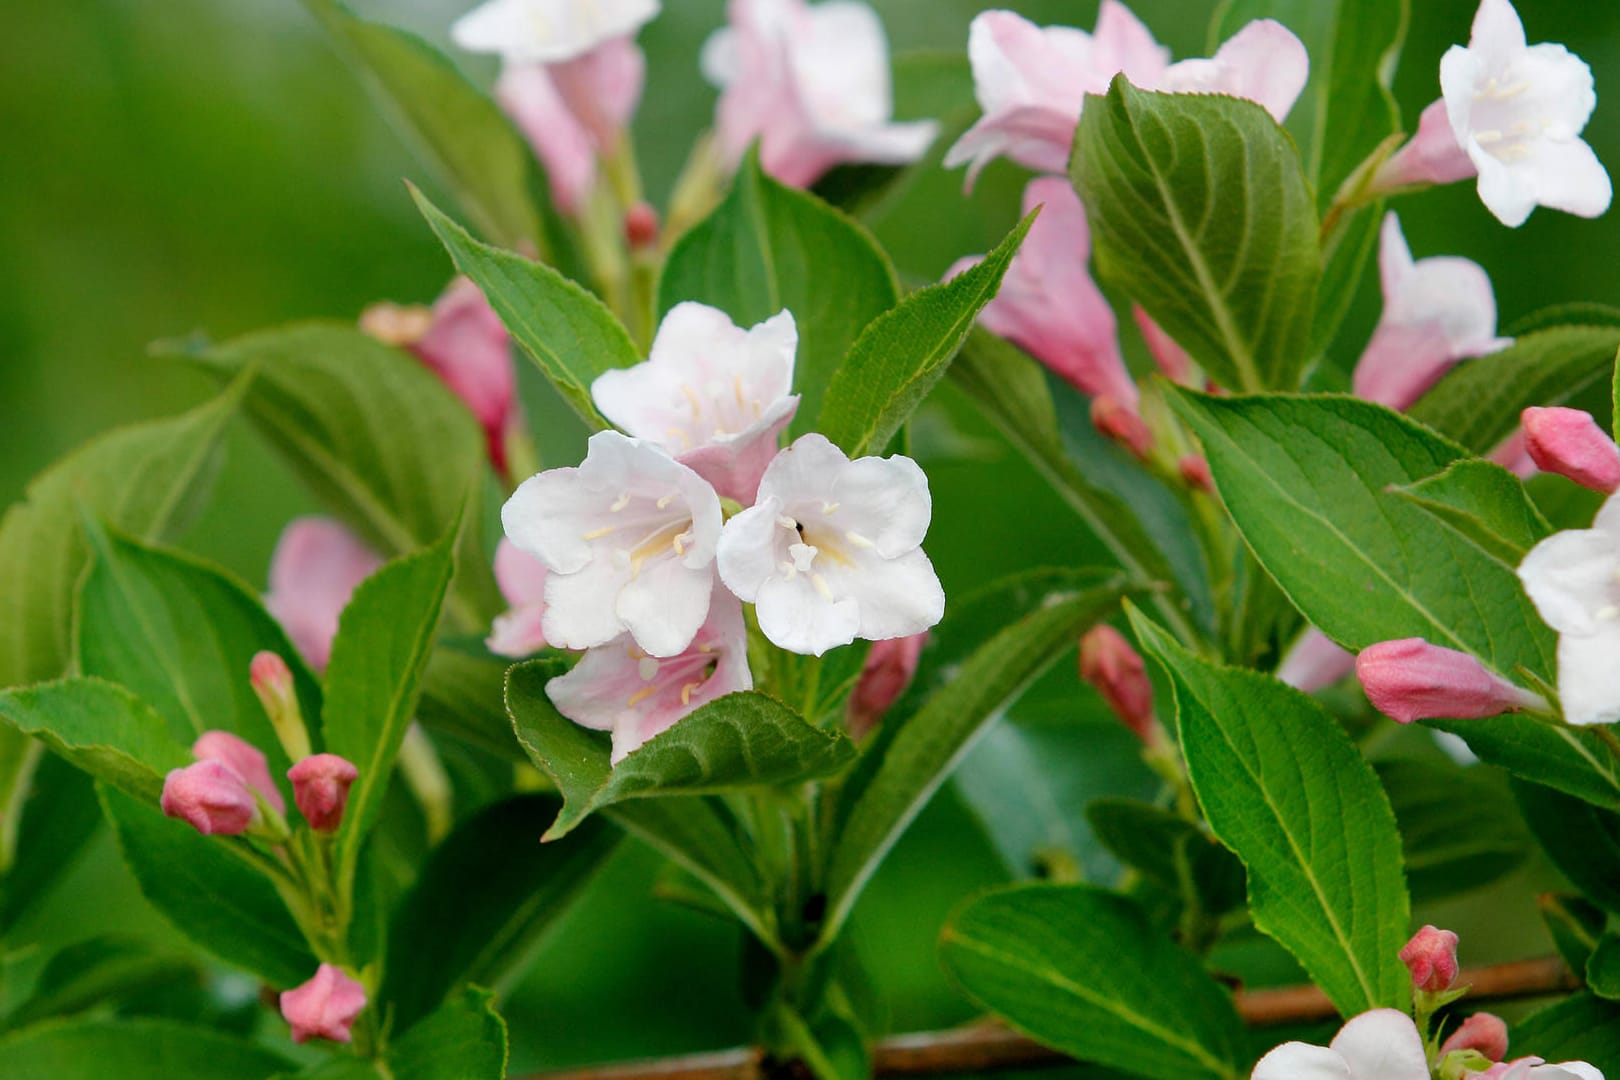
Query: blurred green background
column 196, row 165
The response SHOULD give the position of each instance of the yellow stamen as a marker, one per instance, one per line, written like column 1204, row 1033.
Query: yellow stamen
column 639, row 696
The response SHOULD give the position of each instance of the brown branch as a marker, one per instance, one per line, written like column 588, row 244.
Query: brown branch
column 990, row 1047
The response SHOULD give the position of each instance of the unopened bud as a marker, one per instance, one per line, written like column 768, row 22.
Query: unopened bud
column 321, row 789
column 1431, row 957
column 1171, row 358
column 1570, row 443
column 211, row 797
column 1482, row 1033
column 1122, row 425
column 1194, row 469
column 273, row 683
column 245, row 759
column 1409, row 679
column 1115, row 670
column 641, row 227
column 887, row 672
column 325, row 1007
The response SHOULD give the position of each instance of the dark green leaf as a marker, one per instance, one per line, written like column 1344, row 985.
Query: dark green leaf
column 1458, row 830
column 1603, row 968
column 465, row 1039
column 1574, row 313
column 1579, row 1028
column 1486, row 504
column 463, row 694
column 101, row 728
column 1581, row 839
column 133, row 1050
column 1574, row 926
column 58, row 817
column 1082, row 970
column 1170, row 851
column 1574, row 760
column 98, row 971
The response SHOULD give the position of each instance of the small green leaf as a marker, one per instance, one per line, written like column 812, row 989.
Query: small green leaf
column 133, row 1050
column 1574, row 926
column 1485, row 504
column 1579, row 1028
column 904, row 353
column 465, row 1039
column 97, row 971
column 1201, row 213
column 1082, row 970
column 1458, row 831
column 1603, row 968
column 768, row 247
column 101, row 728
column 1283, row 786
column 1581, row 839
column 1169, row 850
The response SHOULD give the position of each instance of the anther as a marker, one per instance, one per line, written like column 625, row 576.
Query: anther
column 620, row 503
column 821, row 586
column 640, row 695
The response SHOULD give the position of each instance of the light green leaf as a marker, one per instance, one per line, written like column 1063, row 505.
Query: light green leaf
column 1201, row 213
column 101, row 728
column 1458, row 831
column 98, row 971
column 916, row 752
column 133, row 1050
column 1486, row 504
column 569, row 334
column 1574, row 925
column 1282, row 785
column 768, row 247
column 1582, row 840
column 1579, row 1028
column 1083, row 971
column 465, row 1039
column 904, row 353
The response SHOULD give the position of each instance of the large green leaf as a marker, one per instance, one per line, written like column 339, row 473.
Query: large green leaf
column 101, row 728
column 903, row 354
column 1283, row 786
column 1082, row 970
column 463, row 694
column 1582, row 840
column 1457, row 830
column 767, row 247
column 57, row 818
column 569, row 334
column 133, row 1050
column 95, row 972
column 1579, row 1028
column 914, row 755
column 1201, row 213
column 445, row 933
column 464, row 1039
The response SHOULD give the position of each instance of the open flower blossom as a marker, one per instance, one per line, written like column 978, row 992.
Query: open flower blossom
column 1031, row 81
column 549, row 31
column 628, row 538
column 1409, row 679
column 325, row 1007
column 714, row 396
column 245, row 759
column 211, row 797
column 1379, row 1045
column 1573, row 578
column 1437, row 311
column 619, row 688
column 831, row 550
column 522, row 579
column 811, row 83
column 1048, row 304
column 317, row 565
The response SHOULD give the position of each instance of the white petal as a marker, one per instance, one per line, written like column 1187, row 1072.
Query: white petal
column 1263, row 62
column 1570, row 577
column 1560, row 84
column 592, row 694
column 1461, row 75
column 1589, row 678
column 1507, row 191
column 1300, row 1061
column 549, row 515
column 1570, row 178
column 664, row 605
column 548, row 31
column 746, row 555
column 1497, row 32
column 1382, row 1044
column 795, row 617
column 1394, row 257
column 719, row 60
column 580, row 606
column 885, row 500
column 842, row 65
column 1567, row 1070
column 804, row 471
column 897, row 597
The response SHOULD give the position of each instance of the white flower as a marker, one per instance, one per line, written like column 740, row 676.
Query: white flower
column 830, row 552
column 714, row 396
column 548, row 31
column 1573, row 578
column 619, row 688
column 1380, row 1045
column 1534, row 1068
column 1518, row 111
column 629, row 539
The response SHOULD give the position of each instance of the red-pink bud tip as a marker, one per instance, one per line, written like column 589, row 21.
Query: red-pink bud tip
column 1194, row 469
column 244, row 759
column 887, row 672
column 1171, row 358
column 321, row 789
column 1409, row 679
column 270, row 673
column 1122, row 425
column 1431, row 957
column 1570, row 443
column 325, row 1007
column 641, row 227
column 211, row 797
column 1483, row 1033
column 1115, row 670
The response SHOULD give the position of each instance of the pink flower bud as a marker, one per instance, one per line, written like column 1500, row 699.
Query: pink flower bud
column 887, row 672
column 1122, row 425
column 321, row 789
column 1570, row 443
column 244, row 759
column 1432, row 156
column 641, row 227
column 1194, row 469
column 1431, row 957
column 211, row 797
column 1410, row 679
column 325, row 1007
column 1481, row 1032
column 1171, row 358
column 1115, row 670
column 273, row 683
column 467, row 347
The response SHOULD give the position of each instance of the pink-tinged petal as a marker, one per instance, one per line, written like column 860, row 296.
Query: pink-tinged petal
column 317, row 565
column 1512, row 455
column 581, row 608
column 664, row 605
column 1034, row 136
column 735, row 463
column 1409, row 679
column 321, row 789
column 518, row 633
column 520, row 575
column 1432, row 156
column 467, row 347
column 548, row 31
column 1382, row 1044
column 1123, row 43
column 1263, row 62
column 528, row 95
column 245, row 759
column 325, row 1007
column 1315, row 661
column 1170, row 357
column 211, row 797
column 1301, row 1061
column 602, row 88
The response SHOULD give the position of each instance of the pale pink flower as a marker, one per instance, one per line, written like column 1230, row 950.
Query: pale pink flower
column 1380, row 1045
column 528, row 95
column 1534, row 1068
column 211, row 797
column 521, row 576
column 712, row 395
column 321, row 789
column 1573, row 578
column 1263, row 62
column 1409, row 679
column 325, row 1007
column 619, row 688
column 245, row 759
column 1431, row 156
column 887, row 671
column 549, row 31
column 1569, row 442
column 467, row 346
column 314, row 570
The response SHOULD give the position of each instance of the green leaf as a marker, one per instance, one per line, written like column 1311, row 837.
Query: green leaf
column 1582, row 840
column 206, row 889
column 1283, row 786
column 1574, row 926
column 448, row 931
column 1169, row 850
column 900, row 773
column 1458, row 831
column 182, row 635
column 101, row 728
column 374, row 677
column 98, row 971
column 465, row 1039
column 1201, row 213
column 768, row 247
column 1082, row 970
column 462, row 134
column 58, row 818
column 1579, row 1028
column 569, row 334
column 1576, row 761
column 133, row 1050
column 1603, row 968
column 1478, row 403
column 463, row 694
column 1485, row 504
column 905, row 351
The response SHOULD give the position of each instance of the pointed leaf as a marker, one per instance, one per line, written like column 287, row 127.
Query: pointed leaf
column 101, row 728
column 98, row 971
column 465, row 1039
column 1458, row 831
column 133, row 1050
column 1486, row 504
column 58, row 819
column 1582, row 840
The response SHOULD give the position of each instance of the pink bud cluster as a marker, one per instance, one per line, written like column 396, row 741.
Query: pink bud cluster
column 325, row 1007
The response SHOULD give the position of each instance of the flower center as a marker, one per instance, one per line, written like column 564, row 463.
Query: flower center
column 678, row 676
column 657, row 528
column 816, row 539
column 1506, row 120
column 713, row 410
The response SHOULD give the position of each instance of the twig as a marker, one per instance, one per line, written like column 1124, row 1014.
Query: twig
column 990, row 1047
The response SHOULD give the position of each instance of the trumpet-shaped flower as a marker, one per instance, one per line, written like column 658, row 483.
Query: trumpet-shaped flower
column 712, row 395
column 617, row 687
column 1518, row 110
column 522, row 578
column 548, row 31
column 811, row 83
column 1379, row 1045
column 1437, row 311
column 1573, row 578
column 314, row 570
column 831, row 549
column 629, row 539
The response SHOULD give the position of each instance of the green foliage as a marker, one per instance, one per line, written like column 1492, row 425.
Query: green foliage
column 767, row 247
column 1581, row 839
column 1282, row 785
column 57, row 818
column 1048, row 959
column 464, row 1039
column 1201, row 213
column 133, row 1050
column 1485, row 504
column 1169, row 851
column 1457, row 830
column 1582, row 1027
column 1603, row 968
column 1574, row 925
column 95, row 972
column 101, row 728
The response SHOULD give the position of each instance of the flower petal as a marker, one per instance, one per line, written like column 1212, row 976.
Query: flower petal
column 897, row 597
column 1301, row 1061
column 746, row 556
column 1383, row 1044
column 885, row 500
column 1589, row 678
column 580, row 612
column 664, row 605
column 795, row 617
